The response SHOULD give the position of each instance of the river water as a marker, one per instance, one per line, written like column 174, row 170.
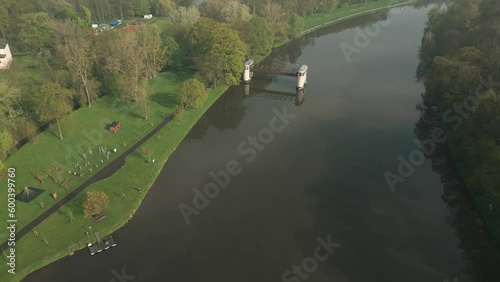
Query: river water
column 319, row 177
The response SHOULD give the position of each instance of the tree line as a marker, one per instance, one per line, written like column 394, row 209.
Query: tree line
column 76, row 64
column 460, row 66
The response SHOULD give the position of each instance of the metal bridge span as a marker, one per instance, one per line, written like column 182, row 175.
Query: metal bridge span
column 275, row 70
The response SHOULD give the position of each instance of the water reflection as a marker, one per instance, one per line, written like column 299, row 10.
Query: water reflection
column 477, row 244
column 287, row 95
column 292, row 51
column 229, row 110
column 425, row 3
column 226, row 113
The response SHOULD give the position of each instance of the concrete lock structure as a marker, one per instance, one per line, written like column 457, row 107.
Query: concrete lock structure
column 247, row 71
column 301, row 73
column 302, row 77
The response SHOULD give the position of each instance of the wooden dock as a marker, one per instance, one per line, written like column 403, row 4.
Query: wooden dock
column 102, row 244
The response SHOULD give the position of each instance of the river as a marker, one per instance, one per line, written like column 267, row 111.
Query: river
column 319, row 177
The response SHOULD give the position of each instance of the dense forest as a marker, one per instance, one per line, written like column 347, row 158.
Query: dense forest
column 62, row 63
column 460, row 64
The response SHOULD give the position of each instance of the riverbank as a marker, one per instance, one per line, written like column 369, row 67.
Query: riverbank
column 32, row 252
column 316, row 21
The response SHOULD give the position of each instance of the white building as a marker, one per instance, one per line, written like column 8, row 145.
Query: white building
column 148, row 16
column 5, row 55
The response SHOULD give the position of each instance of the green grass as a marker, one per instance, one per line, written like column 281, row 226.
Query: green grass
column 65, row 236
column 84, row 129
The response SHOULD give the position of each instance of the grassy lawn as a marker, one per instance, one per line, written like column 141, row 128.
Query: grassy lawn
column 84, row 130
column 32, row 252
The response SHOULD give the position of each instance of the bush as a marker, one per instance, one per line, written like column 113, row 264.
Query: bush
column 191, row 94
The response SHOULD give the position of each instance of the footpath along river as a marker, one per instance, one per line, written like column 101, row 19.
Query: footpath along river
column 304, row 194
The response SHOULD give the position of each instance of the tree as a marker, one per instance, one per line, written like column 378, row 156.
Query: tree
column 10, row 109
column 162, row 8
column 86, row 18
column 219, row 52
column 62, row 9
column 277, row 17
column 128, row 61
column 35, row 35
column 96, row 203
column 147, row 153
column 328, row 5
column 212, row 9
column 75, row 46
column 156, row 52
column 257, row 34
column 191, row 93
column 142, row 99
column 34, row 31
column 234, row 11
column 455, row 75
column 295, row 26
column 141, row 7
column 466, row 14
column 6, row 142
column 185, row 16
column 4, row 21
column 134, row 56
column 52, row 102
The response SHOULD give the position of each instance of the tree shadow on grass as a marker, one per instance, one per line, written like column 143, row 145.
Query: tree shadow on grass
column 121, row 107
column 165, row 99
column 136, row 154
column 76, row 204
column 52, row 129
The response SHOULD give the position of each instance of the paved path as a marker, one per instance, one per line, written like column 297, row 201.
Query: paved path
column 104, row 173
